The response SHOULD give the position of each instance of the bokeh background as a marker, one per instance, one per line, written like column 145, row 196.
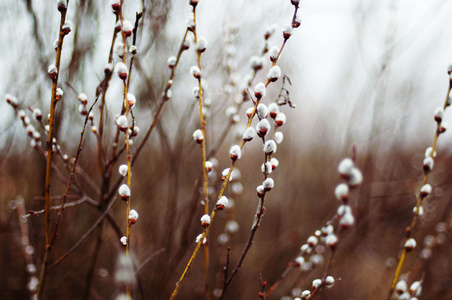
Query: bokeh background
column 363, row 73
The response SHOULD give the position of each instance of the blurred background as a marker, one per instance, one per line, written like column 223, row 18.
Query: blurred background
column 363, row 73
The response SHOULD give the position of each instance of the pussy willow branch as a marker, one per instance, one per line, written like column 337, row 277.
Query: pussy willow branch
column 203, row 152
column 411, row 229
column 231, row 168
column 115, row 155
column 106, row 167
column 42, row 277
column 212, row 215
column 129, row 155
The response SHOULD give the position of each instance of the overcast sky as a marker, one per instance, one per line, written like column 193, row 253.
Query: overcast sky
column 348, row 58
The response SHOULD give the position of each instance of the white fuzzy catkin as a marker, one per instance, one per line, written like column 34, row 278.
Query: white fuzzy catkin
column 331, row 240
column 249, row 134
column 280, row 119
column 208, row 166
column 274, row 162
column 198, row 239
column 127, row 27
column 122, row 122
column 420, row 212
column 171, row 61
column 133, row 49
column 274, row 73
column 329, row 280
column 205, row 219
column 62, row 5
column 59, row 92
column 124, row 190
column 428, row 152
column 266, row 168
column 37, row 114
column 416, row 288
column 312, row 241
column 279, row 136
column 273, row 52
column 11, row 100
column 67, row 27
column 341, row 192
column 347, row 220
column 260, row 190
column 131, row 100
column 119, row 49
column 262, row 111
column 268, row 184
column 82, row 110
column 235, row 152
column 201, row 45
column 195, row 71
column 190, row 21
column 195, row 92
column 428, row 163
column 249, row 112
column 123, row 170
column 426, row 189
column 316, row 283
column 256, row 63
column 260, row 90
column 345, row 167
column 52, row 70
column 121, row 70
column 133, row 214
column 223, row 201
column 287, row 31
column 262, row 127
column 356, row 177
column 83, row 98
column 439, row 114
column 197, row 135
column 269, row 147
column 273, row 110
